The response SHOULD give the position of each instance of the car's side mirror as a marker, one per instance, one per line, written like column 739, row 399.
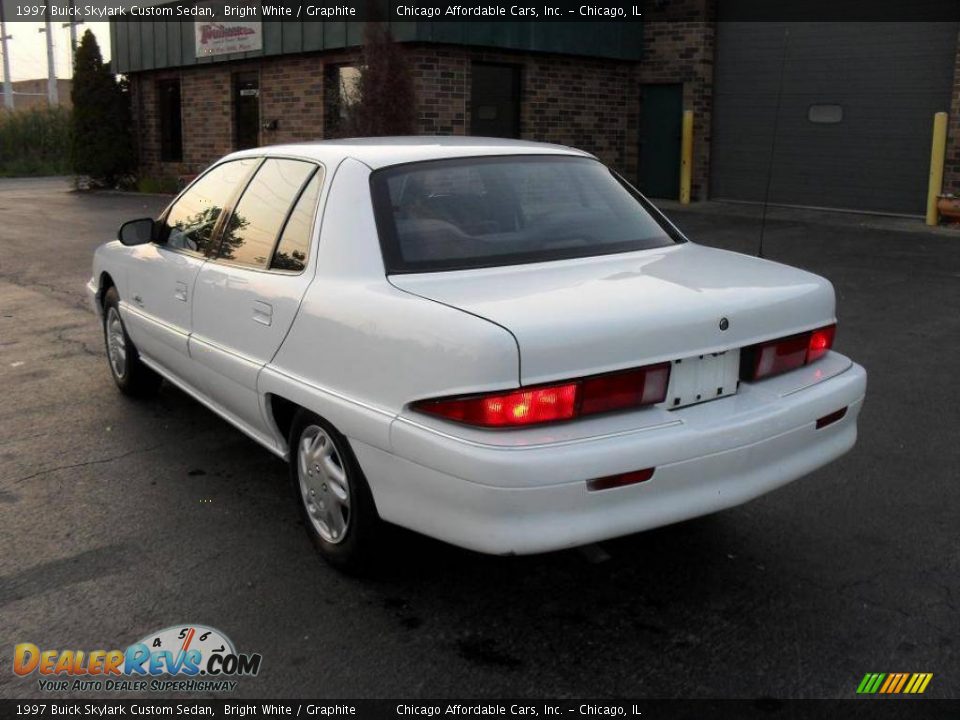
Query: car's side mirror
column 137, row 232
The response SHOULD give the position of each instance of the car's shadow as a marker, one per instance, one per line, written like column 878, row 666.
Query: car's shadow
column 665, row 592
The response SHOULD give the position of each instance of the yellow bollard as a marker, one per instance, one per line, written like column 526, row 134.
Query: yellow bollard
column 937, row 152
column 686, row 157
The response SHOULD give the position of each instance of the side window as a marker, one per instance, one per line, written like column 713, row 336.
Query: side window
column 193, row 217
column 291, row 253
column 252, row 229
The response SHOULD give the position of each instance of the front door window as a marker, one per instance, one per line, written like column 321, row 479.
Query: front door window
column 193, row 218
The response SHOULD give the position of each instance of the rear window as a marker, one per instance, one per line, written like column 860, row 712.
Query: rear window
column 487, row 212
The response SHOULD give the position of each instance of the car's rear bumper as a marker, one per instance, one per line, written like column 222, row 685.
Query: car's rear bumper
column 509, row 499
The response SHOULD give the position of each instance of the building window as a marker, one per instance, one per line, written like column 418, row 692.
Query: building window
column 171, row 128
column 342, row 91
column 495, row 100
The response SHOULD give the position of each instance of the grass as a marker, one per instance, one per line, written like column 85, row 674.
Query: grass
column 157, row 185
column 35, row 142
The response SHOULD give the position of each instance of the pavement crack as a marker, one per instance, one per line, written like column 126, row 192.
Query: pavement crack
column 67, row 295
column 101, row 461
column 84, row 348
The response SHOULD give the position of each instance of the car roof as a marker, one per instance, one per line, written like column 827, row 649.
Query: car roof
column 384, row 151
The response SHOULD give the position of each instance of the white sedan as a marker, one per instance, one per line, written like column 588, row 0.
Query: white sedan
column 499, row 344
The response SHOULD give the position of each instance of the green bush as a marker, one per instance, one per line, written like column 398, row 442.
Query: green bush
column 157, row 185
column 35, row 142
column 102, row 123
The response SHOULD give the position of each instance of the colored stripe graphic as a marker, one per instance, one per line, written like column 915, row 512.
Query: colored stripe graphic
column 903, row 679
column 870, row 683
column 894, row 683
column 892, row 679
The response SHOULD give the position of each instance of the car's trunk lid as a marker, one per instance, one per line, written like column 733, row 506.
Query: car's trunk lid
column 592, row 315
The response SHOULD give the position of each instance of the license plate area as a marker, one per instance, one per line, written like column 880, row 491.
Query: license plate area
column 702, row 378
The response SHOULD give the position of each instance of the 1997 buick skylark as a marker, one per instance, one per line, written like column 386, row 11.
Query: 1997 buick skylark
column 499, row 344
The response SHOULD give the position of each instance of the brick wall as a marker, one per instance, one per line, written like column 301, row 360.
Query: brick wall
column 441, row 77
column 588, row 103
column 291, row 93
column 679, row 46
column 951, row 176
column 205, row 98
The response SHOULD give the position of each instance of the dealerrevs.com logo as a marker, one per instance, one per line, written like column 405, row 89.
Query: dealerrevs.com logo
column 180, row 658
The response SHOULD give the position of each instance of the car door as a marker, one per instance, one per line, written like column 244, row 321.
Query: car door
column 161, row 277
column 246, row 298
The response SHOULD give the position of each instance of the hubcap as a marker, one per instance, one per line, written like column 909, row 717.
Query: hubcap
column 323, row 484
column 116, row 343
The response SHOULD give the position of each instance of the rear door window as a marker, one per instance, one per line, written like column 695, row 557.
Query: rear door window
column 250, row 234
column 291, row 252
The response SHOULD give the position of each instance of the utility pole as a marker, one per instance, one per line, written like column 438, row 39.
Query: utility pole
column 7, row 82
column 73, row 31
column 52, row 94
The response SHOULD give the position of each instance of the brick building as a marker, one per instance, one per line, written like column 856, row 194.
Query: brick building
column 815, row 114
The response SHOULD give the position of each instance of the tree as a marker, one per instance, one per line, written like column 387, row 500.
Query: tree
column 384, row 101
column 102, row 139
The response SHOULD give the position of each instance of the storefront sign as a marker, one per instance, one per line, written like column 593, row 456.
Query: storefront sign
column 221, row 38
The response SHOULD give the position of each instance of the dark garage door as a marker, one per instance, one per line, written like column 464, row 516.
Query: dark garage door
column 855, row 117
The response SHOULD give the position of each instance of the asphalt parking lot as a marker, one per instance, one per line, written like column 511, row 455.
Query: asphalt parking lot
column 118, row 518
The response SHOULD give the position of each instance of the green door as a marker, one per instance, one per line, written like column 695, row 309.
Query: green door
column 661, row 119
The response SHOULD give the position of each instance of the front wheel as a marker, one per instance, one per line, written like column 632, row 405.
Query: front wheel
column 333, row 496
column 128, row 371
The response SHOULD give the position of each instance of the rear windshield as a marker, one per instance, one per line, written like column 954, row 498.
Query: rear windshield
column 486, row 212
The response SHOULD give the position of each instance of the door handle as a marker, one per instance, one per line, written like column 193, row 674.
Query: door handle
column 181, row 291
column 262, row 312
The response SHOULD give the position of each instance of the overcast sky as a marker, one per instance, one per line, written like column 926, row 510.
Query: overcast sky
column 28, row 47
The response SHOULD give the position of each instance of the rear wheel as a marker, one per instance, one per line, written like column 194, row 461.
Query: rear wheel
column 128, row 371
column 332, row 494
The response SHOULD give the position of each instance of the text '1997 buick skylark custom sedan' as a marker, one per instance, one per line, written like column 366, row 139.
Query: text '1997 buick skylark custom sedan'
column 499, row 344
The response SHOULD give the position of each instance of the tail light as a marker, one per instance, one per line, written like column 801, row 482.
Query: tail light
column 552, row 403
column 779, row 356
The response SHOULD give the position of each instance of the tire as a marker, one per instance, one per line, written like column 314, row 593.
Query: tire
column 128, row 371
column 332, row 494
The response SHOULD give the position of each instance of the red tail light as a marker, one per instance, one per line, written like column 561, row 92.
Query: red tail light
column 820, row 342
column 778, row 356
column 523, row 407
column 550, row 403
